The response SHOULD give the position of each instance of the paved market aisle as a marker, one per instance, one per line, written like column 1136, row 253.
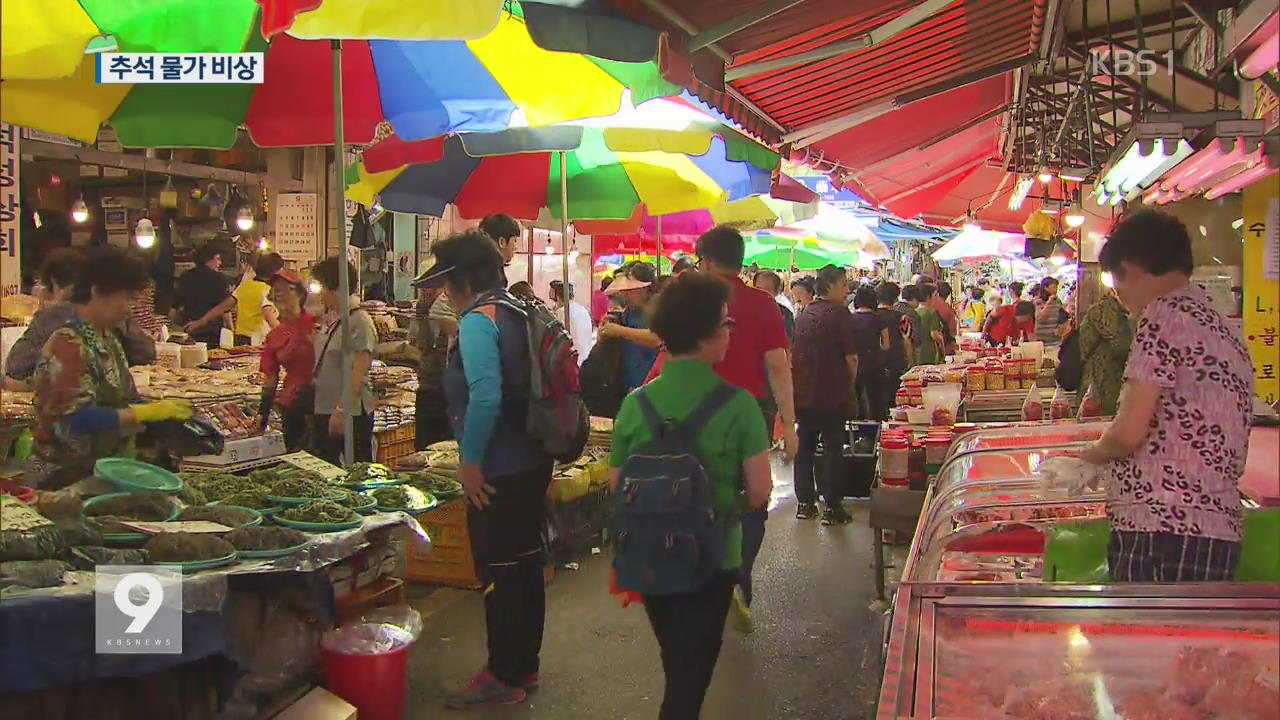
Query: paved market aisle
column 815, row 652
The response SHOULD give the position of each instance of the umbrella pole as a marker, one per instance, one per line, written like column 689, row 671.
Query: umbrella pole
column 344, row 283
column 564, row 230
column 658, row 249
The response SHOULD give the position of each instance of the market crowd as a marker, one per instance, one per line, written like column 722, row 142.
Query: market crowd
column 712, row 366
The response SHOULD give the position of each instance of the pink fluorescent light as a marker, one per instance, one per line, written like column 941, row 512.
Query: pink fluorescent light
column 1247, row 177
column 1210, row 166
column 1264, row 58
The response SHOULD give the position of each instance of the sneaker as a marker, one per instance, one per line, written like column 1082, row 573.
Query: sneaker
column 806, row 511
column 740, row 615
column 530, row 682
column 485, row 689
column 836, row 516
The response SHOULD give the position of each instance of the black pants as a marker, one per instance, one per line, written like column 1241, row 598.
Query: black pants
column 827, row 426
column 689, row 628
column 295, row 423
column 753, row 521
column 506, row 542
column 329, row 447
column 871, row 391
column 431, row 421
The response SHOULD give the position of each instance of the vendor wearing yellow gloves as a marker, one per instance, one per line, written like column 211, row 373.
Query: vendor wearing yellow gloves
column 83, row 390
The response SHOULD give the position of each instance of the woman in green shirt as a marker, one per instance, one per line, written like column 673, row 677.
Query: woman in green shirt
column 691, row 316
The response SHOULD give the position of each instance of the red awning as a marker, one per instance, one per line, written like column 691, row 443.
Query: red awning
column 949, row 74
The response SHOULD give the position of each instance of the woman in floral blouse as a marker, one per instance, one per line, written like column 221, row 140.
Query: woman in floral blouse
column 83, row 389
column 1105, row 338
column 1173, row 457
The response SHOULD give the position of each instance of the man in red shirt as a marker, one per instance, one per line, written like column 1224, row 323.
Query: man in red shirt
column 758, row 361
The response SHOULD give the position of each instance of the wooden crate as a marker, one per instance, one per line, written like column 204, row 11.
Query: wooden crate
column 447, row 561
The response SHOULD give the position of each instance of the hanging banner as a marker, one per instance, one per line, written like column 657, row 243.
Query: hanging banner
column 1261, row 288
column 297, row 227
column 10, row 209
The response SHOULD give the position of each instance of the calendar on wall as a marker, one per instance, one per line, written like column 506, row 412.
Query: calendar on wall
column 297, row 227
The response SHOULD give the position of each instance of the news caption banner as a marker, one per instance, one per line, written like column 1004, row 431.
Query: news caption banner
column 137, row 610
column 180, row 68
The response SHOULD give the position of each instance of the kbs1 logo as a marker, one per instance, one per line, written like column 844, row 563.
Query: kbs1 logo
column 1119, row 61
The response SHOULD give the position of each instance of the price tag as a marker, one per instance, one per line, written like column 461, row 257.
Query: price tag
column 307, row 461
column 191, row 526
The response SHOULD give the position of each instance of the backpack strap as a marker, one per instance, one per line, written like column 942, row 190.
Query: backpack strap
column 657, row 426
column 722, row 394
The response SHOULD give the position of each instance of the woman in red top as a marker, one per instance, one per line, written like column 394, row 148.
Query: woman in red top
column 289, row 346
column 1011, row 323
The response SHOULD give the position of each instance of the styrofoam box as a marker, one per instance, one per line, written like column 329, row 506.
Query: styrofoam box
column 236, row 451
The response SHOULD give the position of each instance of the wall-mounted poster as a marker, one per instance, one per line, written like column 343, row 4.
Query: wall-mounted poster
column 297, row 227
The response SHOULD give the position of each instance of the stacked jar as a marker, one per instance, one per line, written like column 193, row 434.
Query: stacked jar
column 995, row 374
column 1029, row 372
column 894, row 463
column 976, row 377
column 1012, row 373
column 915, row 390
column 936, row 444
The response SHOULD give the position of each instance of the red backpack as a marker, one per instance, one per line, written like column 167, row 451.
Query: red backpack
column 557, row 417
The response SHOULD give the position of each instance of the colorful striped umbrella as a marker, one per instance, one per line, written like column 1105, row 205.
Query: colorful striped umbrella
column 380, row 19
column 663, row 160
column 767, row 254
column 423, row 88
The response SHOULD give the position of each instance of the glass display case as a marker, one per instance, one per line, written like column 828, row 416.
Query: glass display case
column 1029, row 435
column 976, row 632
column 1042, row 652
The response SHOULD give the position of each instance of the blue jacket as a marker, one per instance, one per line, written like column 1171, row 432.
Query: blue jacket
column 486, row 386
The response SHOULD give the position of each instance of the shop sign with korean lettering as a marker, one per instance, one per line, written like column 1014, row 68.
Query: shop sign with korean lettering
column 10, row 209
column 180, row 68
column 1261, row 288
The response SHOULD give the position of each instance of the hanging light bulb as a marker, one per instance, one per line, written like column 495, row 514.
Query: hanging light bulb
column 314, row 287
column 80, row 211
column 263, row 244
column 144, row 234
column 1045, row 176
column 1074, row 216
column 244, row 218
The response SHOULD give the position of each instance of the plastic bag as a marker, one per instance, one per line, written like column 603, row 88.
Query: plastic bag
column 942, row 402
column 32, row 573
column 375, row 633
column 1033, row 406
column 1059, row 407
column 1066, row 476
column 1077, row 552
column 1091, row 404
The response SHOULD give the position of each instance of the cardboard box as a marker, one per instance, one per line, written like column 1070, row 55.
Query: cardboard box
column 262, row 447
column 319, row 704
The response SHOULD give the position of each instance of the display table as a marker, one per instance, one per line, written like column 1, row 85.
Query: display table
column 263, row 615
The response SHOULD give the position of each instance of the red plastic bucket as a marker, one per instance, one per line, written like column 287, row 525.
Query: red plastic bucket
column 374, row 683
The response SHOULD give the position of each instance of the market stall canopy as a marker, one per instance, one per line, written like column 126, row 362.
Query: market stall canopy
column 781, row 253
column 972, row 245
column 860, row 88
column 667, row 158
column 423, row 88
column 756, row 211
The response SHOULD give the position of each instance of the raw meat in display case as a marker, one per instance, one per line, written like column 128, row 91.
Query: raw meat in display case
column 1031, row 435
column 1128, row 666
